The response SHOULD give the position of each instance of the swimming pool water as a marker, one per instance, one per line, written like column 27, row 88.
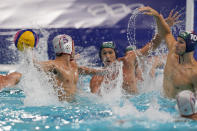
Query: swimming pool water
column 147, row 111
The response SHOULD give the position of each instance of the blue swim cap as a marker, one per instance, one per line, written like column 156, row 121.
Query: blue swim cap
column 190, row 40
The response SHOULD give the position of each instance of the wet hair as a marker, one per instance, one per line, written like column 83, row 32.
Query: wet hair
column 108, row 44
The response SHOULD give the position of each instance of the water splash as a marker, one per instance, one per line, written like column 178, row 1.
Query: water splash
column 111, row 87
column 35, row 84
column 146, row 63
column 87, row 56
column 131, row 30
column 42, row 47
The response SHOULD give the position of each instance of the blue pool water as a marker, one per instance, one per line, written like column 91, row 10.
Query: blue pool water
column 146, row 111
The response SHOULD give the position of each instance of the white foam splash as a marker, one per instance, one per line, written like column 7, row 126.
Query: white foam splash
column 154, row 113
column 35, row 84
column 111, row 88
column 128, row 109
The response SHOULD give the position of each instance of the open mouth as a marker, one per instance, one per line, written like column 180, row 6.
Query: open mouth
column 108, row 61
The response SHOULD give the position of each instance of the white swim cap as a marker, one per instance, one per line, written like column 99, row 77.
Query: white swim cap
column 186, row 102
column 62, row 44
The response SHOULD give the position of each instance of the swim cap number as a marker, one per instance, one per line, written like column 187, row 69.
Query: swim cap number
column 193, row 37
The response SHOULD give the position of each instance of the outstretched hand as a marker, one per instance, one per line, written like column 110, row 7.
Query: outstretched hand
column 147, row 10
column 173, row 19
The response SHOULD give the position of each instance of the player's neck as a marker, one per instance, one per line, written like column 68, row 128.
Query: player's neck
column 64, row 58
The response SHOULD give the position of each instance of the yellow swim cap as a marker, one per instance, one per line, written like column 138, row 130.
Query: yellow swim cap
column 25, row 39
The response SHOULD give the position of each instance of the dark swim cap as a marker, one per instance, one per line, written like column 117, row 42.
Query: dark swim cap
column 130, row 48
column 108, row 44
column 190, row 40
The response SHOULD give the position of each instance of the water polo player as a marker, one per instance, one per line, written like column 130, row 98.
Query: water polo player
column 180, row 71
column 62, row 70
column 108, row 56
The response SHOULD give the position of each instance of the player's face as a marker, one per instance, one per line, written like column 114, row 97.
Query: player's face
column 108, row 56
column 180, row 46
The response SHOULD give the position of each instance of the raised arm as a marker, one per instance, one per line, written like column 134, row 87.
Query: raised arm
column 163, row 28
column 90, row 71
column 45, row 66
column 152, row 45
